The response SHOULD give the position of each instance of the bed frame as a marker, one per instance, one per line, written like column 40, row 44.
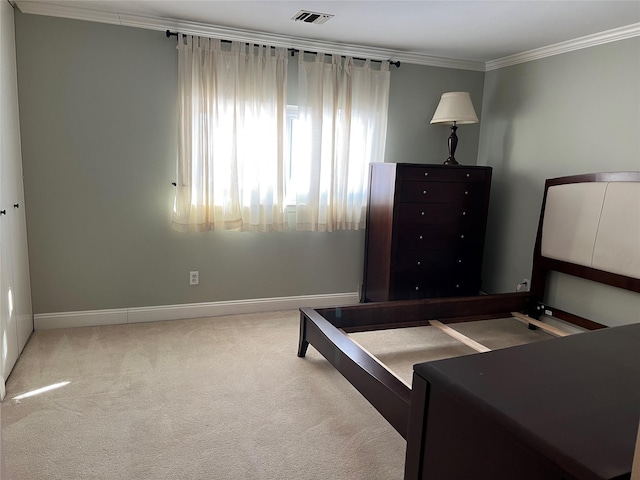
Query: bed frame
column 589, row 227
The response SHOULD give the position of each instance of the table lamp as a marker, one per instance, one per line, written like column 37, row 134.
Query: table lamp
column 455, row 108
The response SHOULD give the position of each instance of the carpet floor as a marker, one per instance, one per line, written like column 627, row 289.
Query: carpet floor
column 219, row 398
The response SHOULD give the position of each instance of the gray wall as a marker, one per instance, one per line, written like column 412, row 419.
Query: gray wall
column 414, row 96
column 573, row 113
column 98, row 122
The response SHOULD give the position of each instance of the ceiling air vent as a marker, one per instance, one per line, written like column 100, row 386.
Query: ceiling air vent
column 311, row 17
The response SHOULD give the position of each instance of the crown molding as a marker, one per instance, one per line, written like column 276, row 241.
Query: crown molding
column 608, row 36
column 76, row 13
column 227, row 33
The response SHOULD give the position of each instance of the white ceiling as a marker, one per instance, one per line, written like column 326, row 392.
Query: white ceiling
column 473, row 31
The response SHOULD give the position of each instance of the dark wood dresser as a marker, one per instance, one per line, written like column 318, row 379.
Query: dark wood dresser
column 425, row 231
column 560, row 409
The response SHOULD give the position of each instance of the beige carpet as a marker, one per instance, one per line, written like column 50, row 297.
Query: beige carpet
column 220, row 398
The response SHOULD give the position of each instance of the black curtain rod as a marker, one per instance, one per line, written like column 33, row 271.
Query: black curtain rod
column 170, row 34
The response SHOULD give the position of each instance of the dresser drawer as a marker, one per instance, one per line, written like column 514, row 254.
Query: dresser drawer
column 444, row 174
column 437, row 262
column 439, row 213
column 441, row 192
column 410, row 289
column 454, row 236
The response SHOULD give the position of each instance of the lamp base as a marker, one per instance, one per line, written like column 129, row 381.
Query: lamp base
column 452, row 143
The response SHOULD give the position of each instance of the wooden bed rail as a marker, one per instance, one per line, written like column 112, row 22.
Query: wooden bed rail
column 388, row 394
column 414, row 313
column 326, row 329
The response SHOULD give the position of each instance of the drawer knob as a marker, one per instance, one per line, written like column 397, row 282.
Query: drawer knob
column 421, row 213
column 464, row 213
column 459, row 260
column 467, row 175
column 424, row 192
column 466, row 192
column 420, row 237
column 426, row 174
column 419, row 262
column 461, row 236
column 417, row 288
column 457, row 286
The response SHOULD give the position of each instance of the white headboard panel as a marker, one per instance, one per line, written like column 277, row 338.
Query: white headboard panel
column 617, row 248
column 594, row 224
column 571, row 218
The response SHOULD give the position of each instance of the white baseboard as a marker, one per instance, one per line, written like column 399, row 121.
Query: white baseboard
column 90, row 318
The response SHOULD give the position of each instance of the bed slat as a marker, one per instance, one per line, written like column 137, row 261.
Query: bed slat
column 541, row 325
column 469, row 342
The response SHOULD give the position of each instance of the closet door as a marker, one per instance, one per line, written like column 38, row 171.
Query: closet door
column 16, row 316
column 12, row 166
column 8, row 324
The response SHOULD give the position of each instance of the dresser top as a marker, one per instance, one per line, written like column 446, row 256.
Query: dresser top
column 428, row 165
column 575, row 399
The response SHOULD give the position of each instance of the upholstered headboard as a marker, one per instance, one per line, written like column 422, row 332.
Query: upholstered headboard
column 590, row 227
column 594, row 224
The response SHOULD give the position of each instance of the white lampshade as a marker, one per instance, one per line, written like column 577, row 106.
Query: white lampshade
column 455, row 107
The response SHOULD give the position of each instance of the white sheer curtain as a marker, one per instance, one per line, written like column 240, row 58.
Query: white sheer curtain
column 342, row 121
column 231, row 127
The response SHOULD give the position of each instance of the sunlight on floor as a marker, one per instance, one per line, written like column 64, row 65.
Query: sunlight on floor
column 38, row 391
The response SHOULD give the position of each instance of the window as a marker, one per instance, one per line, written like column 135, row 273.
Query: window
column 244, row 156
column 293, row 145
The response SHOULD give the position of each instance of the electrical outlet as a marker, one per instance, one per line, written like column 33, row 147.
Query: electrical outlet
column 523, row 286
column 194, row 278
